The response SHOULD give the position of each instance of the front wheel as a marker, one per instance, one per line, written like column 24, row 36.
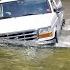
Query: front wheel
column 56, row 37
column 63, row 23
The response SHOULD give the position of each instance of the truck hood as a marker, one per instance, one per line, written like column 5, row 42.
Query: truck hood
column 26, row 22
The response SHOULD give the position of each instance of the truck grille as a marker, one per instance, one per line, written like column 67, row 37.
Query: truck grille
column 24, row 35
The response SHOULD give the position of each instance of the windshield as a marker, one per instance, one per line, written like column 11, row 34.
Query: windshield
column 24, row 8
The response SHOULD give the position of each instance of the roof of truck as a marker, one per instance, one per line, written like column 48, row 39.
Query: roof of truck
column 2, row 1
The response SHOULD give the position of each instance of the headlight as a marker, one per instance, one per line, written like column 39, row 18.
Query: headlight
column 45, row 32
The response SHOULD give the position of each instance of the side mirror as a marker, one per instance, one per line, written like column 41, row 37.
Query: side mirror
column 56, row 10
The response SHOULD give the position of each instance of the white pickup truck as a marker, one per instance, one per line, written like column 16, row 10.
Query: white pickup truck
column 33, row 22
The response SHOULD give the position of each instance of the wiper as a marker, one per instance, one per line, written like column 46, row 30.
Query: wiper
column 27, row 14
column 4, row 17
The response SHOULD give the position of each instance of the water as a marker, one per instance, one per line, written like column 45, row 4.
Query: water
column 64, row 40
column 16, row 58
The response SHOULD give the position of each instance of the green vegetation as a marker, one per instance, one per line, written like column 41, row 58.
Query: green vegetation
column 15, row 59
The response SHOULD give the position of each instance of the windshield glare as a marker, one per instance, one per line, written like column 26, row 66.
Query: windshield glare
column 25, row 7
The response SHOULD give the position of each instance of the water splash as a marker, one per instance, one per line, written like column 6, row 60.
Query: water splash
column 30, row 52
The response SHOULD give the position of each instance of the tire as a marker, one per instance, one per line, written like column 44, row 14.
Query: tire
column 56, row 37
column 63, row 23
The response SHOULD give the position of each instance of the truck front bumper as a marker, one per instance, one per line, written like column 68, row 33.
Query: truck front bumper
column 28, row 43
